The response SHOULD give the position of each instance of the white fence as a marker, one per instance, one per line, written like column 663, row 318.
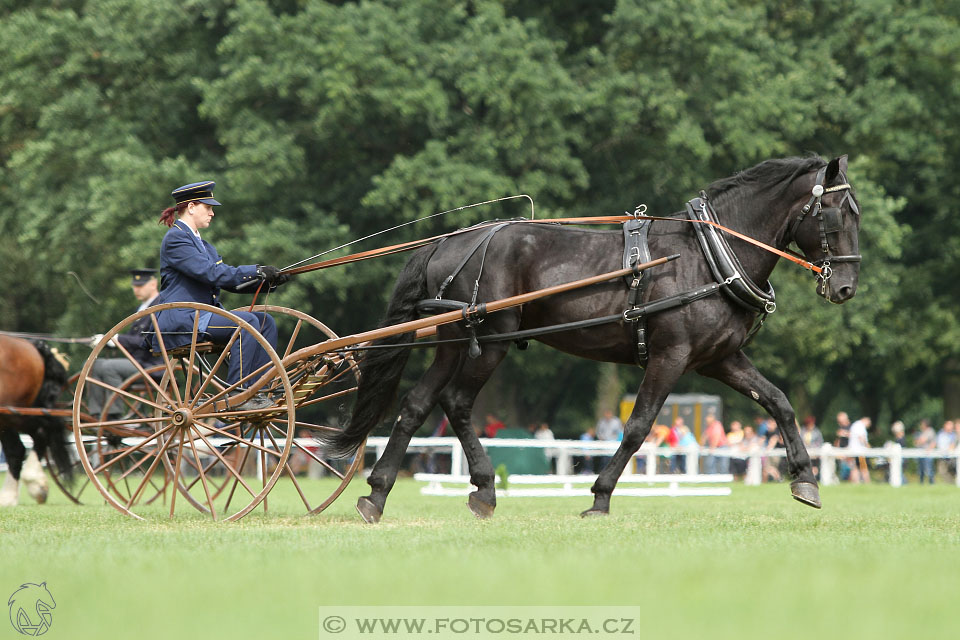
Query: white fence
column 563, row 451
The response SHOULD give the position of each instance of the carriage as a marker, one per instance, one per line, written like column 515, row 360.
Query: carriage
column 182, row 437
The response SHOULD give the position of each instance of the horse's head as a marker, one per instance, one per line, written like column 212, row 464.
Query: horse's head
column 826, row 225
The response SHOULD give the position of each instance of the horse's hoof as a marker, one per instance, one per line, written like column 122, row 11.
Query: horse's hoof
column 806, row 492
column 368, row 511
column 480, row 508
column 589, row 513
column 39, row 494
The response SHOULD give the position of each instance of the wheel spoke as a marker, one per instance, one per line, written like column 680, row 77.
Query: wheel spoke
column 193, row 354
column 127, row 394
column 239, row 439
column 312, row 454
column 176, row 475
column 293, row 338
column 243, row 461
column 203, row 478
column 136, row 447
column 166, row 358
column 289, row 470
column 226, row 464
column 149, row 474
column 213, row 371
column 140, row 368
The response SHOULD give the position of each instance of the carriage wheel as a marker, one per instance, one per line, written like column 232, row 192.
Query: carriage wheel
column 321, row 409
column 190, row 433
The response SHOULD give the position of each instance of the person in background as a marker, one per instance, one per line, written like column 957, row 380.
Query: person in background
column 738, row 465
column 493, row 425
column 926, row 439
column 714, row 438
column 542, row 432
column 898, row 432
column 841, row 442
column 857, row 445
column 586, row 461
column 609, row 429
column 812, row 439
column 191, row 270
column 114, row 371
column 946, row 443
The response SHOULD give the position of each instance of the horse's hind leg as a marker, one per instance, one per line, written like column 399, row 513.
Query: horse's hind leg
column 457, row 401
column 661, row 376
column 14, row 451
column 738, row 373
column 413, row 411
column 32, row 473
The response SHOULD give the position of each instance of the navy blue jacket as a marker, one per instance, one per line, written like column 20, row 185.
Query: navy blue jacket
column 191, row 270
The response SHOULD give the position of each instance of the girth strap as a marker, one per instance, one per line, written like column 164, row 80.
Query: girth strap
column 636, row 251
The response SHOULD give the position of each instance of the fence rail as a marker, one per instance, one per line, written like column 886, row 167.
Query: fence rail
column 563, row 451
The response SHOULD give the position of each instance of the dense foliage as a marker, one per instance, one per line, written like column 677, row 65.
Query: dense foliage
column 325, row 121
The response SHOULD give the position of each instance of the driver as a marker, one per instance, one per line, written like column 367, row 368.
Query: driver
column 191, row 270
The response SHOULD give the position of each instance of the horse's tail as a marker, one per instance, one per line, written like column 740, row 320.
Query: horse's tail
column 53, row 428
column 380, row 369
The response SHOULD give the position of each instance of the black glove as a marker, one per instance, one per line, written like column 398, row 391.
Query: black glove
column 272, row 275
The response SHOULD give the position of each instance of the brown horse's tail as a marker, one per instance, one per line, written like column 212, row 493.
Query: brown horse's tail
column 51, row 429
column 380, row 369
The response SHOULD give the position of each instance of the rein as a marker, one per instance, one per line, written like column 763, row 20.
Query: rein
column 415, row 244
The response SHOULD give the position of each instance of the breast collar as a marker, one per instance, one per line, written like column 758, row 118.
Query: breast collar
column 724, row 264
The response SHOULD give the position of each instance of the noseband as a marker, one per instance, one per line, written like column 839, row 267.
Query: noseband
column 830, row 222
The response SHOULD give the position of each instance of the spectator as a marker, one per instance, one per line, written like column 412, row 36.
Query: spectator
column 738, row 465
column 609, row 427
column 543, row 432
column 715, row 439
column 812, row 439
column 926, row 439
column 946, row 443
column 773, row 465
column 685, row 441
column 587, row 460
column 857, row 444
column 749, row 443
column 841, row 442
column 673, row 441
column 898, row 432
column 493, row 426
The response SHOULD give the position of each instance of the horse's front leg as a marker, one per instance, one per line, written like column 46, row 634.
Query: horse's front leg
column 740, row 374
column 658, row 381
column 14, row 451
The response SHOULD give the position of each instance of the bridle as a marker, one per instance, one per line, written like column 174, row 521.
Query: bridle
column 830, row 222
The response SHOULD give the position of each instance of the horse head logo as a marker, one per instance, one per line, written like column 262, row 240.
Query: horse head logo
column 30, row 609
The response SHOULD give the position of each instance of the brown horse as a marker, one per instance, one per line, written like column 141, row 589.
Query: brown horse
column 31, row 375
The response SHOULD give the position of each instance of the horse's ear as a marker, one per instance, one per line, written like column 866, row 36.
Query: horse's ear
column 835, row 168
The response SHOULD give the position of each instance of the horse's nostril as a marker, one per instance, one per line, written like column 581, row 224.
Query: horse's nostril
column 845, row 292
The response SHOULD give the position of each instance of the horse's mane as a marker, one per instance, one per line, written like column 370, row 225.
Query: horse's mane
column 768, row 174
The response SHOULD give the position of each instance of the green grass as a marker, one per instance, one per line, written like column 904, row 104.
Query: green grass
column 875, row 562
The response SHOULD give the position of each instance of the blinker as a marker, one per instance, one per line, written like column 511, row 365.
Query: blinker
column 832, row 223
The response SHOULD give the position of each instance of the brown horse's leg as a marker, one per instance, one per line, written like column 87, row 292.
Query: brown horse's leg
column 738, row 373
column 413, row 411
column 658, row 381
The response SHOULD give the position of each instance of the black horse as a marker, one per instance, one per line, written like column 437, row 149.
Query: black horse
column 768, row 202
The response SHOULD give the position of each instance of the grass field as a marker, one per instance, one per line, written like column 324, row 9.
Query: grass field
column 875, row 562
